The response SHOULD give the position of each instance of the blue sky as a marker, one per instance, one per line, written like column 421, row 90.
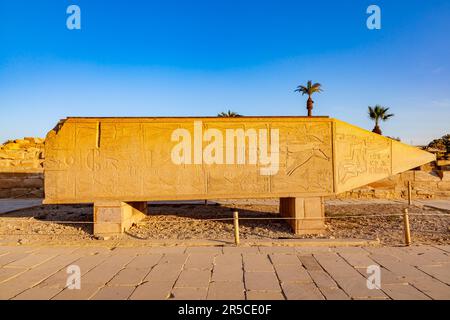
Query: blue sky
column 200, row 57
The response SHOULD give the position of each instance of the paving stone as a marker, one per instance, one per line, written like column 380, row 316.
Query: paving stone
column 227, row 273
column 174, row 258
column 240, row 250
column 105, row 271
column 4, row 250
column 264, row 295
column 226, row 290
column 390, row 251
column 9, row 273
column 189, row 293
column 200, row 261
column 397, row 267
column 38, row 293
column 336, row 266
column 445, row 248
column 167, row 250
column 193, row 278
column 228, row 259
column 272, row 250
column 164, row 272
column 350, row 280
column 334, row 293
column 159, row 290
column 442, row 272
column 292, row 273
column 205, row 249
column 309, row 262
column 32, row 277
column 56, row 250
column 416, row 272
column 421, row 256
column 350, row 250
column 113, row 293
column 311, row 250
column 403, row 292
column 432, row 288
column 278, row 258
column 30, row 261
column 387, row 277
column 129, row 277
column 139, row 251
column 11, row 257
column 59, row 279
column 145, row 261
column 86, row 291
column 357, row 260
column 92, row 251
column 322, row 279
column 257, row 262
column 301, row 291
column 356, row 288
column 261, row 281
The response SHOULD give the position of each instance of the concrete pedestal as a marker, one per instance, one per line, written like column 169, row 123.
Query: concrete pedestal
column 308, row 212
column 115, row 217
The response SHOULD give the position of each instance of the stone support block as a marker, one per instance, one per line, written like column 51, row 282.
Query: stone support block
column 309, row 214
column 115, row 217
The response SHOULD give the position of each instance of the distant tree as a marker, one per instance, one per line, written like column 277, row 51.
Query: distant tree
column 229, row 114
column 377, row 114
column 309, row 89
column 394, row 138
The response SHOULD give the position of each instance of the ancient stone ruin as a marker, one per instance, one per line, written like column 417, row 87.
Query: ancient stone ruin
column 120, row 164
column 21, row 168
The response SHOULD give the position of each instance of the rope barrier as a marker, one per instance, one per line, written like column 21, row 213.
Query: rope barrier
column 30, row 220
column 235, row 219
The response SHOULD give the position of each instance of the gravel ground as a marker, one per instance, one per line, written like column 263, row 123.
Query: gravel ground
column 183, row 222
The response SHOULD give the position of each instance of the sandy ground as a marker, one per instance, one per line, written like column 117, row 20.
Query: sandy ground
column 55, row 223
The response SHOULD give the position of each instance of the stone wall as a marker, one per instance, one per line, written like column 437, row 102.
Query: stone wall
column 21, row 168
column 425, row 185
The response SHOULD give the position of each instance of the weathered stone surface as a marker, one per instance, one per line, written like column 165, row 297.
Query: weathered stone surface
column 101, row 159
column 189, row 293
column 18, row 161
column 445, row 176
column 226, row 290
column 301, row 291
column 426, row 176
column 444, row 186
column 306, row 168
column 194, row 278
column 159, row 290
column 264, row 295
column 261, row 281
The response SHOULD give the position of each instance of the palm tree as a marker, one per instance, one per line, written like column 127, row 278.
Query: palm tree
column 309, row 89
column 229, row 114
column 378, row 113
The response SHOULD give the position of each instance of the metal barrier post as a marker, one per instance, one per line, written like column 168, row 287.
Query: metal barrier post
column 236, row 227
column 406, row 227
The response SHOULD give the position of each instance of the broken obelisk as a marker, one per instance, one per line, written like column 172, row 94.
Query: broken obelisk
column 121, row 163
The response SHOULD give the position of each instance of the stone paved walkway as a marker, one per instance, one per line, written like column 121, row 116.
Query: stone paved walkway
column 437, row 204
column 225, row 272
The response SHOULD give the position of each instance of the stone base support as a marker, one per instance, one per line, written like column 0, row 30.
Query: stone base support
column 309, row 214
column 115, row 217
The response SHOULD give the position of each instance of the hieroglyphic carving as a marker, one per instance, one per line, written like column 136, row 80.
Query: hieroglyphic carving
column 360, row 156
column 306, row 157
column 129, row 159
